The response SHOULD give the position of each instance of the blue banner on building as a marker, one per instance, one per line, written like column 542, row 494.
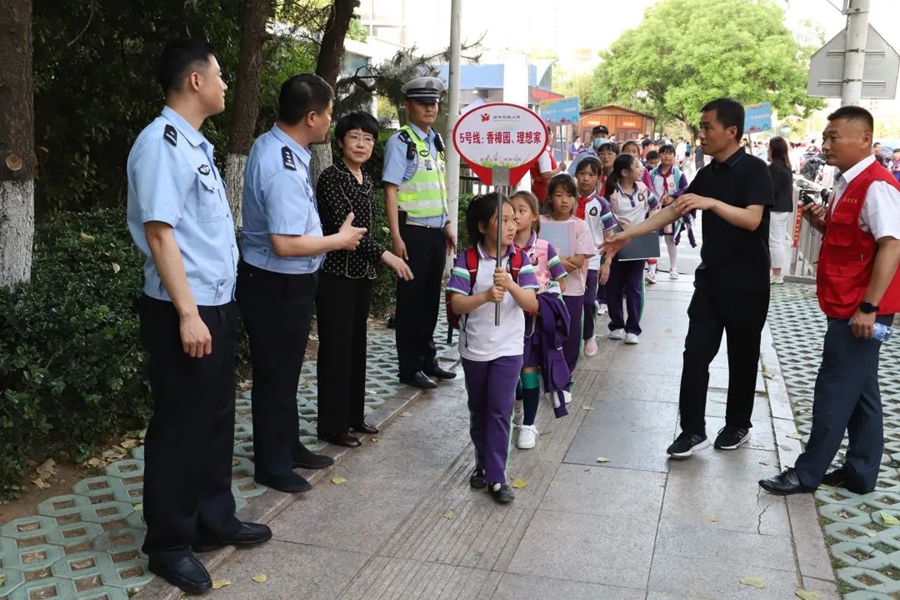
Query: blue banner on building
column 561, row 112
column 758, row 117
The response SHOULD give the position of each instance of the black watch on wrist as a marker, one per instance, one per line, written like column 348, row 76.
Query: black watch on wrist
column 868, row 308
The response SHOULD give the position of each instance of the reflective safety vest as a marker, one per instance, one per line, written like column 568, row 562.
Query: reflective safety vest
column 425, row 194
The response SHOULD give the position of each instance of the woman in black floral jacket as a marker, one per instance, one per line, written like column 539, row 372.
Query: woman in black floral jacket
column 346, row 284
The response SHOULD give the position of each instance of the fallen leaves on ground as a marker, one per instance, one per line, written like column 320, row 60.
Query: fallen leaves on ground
column 588, row 407
column 218, row 584
column 40, row 484
column 826, row 487
column 47, row 470
column 139, row 506
column 768, row 375
column 804, row 595
column 602, row 459
column 795, row 436
column 339, row 480
column 406, row 414
column 889, row 519
column 754, row 582
column 2, row 580
column 765, row 463
column 261, row 578
column 712, row 519
column 449, row 514
column 518, row 484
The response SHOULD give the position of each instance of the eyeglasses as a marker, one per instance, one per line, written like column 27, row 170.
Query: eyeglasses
column 353, row 138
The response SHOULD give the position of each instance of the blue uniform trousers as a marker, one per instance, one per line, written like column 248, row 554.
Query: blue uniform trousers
column 846, row 398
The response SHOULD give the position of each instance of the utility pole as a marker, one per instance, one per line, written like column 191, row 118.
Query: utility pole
column 855, row 54
column 453, row 116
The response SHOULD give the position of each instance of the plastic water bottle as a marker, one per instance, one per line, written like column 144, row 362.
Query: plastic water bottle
column 882, row 332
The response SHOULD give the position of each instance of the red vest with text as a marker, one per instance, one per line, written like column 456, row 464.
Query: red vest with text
column 538, row 187
column 847, row 255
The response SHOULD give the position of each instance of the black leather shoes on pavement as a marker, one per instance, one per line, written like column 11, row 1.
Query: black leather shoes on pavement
column 785, row 484
column 477, row 480
column 306, row 459
column 419, row 380
column 186, row 573
column 846, row 479
column 347, row 440
column 290, row 484
column 250, row 534
column 364, row 428
column 440, row 373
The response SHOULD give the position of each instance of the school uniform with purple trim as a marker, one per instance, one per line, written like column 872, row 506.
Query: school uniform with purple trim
column 626, row 277
column 599, row 218
column 491, row 358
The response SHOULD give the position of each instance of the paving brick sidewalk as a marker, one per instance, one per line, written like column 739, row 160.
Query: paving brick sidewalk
column 406, row 525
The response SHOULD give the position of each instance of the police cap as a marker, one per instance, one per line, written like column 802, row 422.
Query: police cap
column 424, row 89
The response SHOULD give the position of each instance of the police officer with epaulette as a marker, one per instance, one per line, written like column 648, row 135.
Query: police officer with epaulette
column 180, row 220
column 283, row 248
column 415, row 188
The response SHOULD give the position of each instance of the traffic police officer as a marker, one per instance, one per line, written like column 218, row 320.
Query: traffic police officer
column 283, row 249
column 180, row 220
column 416, row 197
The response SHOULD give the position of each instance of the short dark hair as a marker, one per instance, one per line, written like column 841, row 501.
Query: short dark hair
column 666, row 148
column 652, row 155
column 854, row 113
column 611, row 146
column 896, row 151
column 302, row 94
column 178, row 59
column 480, row 212
column 646, row 142
column 729, row 112
column 356, row 120
column 631, row 143
column 589, row 162
column 563, row 180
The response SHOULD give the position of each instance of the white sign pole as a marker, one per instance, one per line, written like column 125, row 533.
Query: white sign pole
column 855, row 53
column 500, row 179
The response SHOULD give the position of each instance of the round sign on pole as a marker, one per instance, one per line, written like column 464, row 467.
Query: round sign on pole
column 500, row 135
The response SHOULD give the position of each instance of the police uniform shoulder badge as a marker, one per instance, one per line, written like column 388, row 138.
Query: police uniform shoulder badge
column 204, row 169
column 171, row 135
column 287, row 157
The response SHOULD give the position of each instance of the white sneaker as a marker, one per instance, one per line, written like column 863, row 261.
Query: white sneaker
column 590, row 347
column 567, row 396
column 632, row 339
column 650, row 277
column 776, row 279
column 673, row 274
column 602, row 309
column 617, row 334
column 527, row 437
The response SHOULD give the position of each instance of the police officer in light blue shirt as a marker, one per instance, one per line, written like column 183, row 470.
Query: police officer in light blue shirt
column 180, row 220
column 283, row 248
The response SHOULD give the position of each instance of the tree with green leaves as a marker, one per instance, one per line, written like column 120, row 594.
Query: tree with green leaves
column 687, row 52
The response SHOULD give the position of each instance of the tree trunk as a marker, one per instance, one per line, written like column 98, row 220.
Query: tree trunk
column 17, row 158
column 246, row 98
column 328, row 67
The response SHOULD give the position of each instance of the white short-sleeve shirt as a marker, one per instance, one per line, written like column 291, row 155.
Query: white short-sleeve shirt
column 880, row 214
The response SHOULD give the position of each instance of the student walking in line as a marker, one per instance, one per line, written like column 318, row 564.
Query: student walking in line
column 597, row 214
column 560, row 208
column 547, row 329
column 630, row 201
column 668, row 184
column 492, row 355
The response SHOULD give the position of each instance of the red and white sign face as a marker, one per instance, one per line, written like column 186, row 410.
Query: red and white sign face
column 500, row 135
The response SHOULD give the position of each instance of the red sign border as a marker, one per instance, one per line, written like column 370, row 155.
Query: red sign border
column 515, row 173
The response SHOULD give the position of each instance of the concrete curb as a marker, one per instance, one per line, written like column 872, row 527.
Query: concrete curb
column 271, row 503
column 812, row 556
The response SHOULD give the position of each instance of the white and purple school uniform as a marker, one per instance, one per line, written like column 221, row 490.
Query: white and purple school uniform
column 627, row 277
column 672, row 184
column 575, row 288
column 599, row 218
column 548, row 271
column 491, row 358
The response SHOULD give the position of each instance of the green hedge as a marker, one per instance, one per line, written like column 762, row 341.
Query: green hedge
column 71, row 366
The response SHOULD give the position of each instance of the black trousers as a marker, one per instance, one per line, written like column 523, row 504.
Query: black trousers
column 190, row 439
column 741, row 315
column 418, row 300
column 277, row 311
column 342, row 312
column 846, row 398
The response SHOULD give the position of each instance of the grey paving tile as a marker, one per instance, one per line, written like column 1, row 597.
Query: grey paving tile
column 398, row 579
column 744, row 464
column 827, row 590
column 586, row 548
column 735, row 505
column 605, row 492
column 526, row 587
column 812, row 554
column 707, row 543
column 292, row 571
column 648, row 387
column 717, row 402
column 718, row 378
column 718, row 580
column 663, row 363
column 761, row 435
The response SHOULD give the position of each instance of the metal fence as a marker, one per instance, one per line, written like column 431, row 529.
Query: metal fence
column 469, row 184
column 806, row 240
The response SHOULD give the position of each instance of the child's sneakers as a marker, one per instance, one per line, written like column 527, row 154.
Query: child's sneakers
column 632, row 339
column 527, row 437
column 650, row 277
column 567, row 396
column 617, row 334
column 673, row 274
column 602, row 309
column 590, row 347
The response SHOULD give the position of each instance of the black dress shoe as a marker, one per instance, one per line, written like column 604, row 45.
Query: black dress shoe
column 419, row 380
column 291, row 484
column 347, row 440
column 250, row 534
column 306, row 459
column 186, row 573
column 846, row 479
column 364, row 428
column 436, row 371
column 785, row 484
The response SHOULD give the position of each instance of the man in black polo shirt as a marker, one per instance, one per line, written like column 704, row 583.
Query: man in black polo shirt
column 731, row 285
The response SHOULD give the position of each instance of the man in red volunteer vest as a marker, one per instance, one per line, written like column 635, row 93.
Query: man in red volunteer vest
column 858, row 286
